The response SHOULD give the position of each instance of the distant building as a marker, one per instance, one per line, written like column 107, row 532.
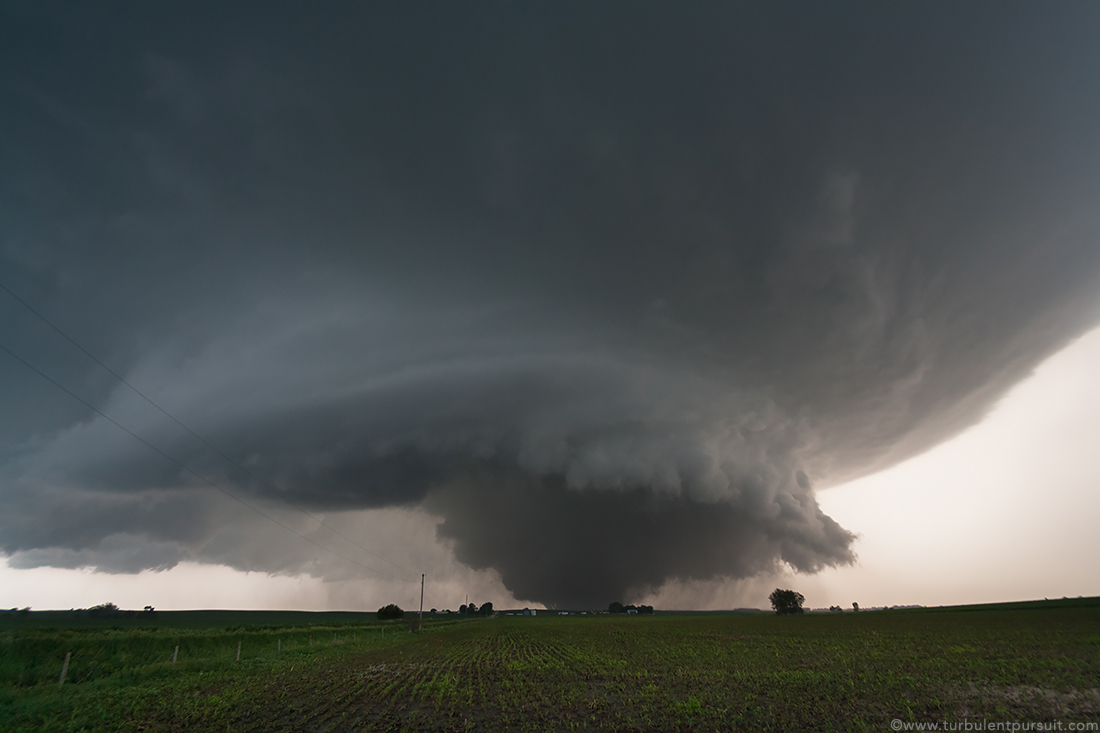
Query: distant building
column 631, row 612
column 529, row 612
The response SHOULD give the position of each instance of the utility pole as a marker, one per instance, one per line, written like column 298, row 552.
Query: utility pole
column 421, row 602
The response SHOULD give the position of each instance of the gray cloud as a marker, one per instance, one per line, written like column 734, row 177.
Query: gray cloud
column 610, row 292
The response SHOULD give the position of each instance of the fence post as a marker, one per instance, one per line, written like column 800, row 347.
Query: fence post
column 175, row 654
column 64, row 668
column 311, row 639
column 279, row 648
column 238, row 650
column 334, row 639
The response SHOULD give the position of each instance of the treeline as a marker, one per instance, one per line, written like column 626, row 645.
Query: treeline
column 102, row 611
column 617, row 607
column 393, row 611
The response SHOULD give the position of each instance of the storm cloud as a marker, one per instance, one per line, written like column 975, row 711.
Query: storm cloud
column 610, row 290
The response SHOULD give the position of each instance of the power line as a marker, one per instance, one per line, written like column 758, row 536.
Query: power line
column 201, row 439
column 179, row 463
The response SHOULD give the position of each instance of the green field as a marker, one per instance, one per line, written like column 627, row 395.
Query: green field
column 1014, row 663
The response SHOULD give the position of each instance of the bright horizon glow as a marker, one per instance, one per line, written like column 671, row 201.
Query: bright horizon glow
column 1004, row 511
column 187, row 586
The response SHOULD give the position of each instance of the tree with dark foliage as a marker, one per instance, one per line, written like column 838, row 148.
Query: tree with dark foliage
column 615, row 607
column 391, row 611
column 786, row 601
column 104, row 610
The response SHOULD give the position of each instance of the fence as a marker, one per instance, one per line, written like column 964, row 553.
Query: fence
column 59, row 656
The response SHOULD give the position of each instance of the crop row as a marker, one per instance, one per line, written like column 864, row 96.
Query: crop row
column 733, row 672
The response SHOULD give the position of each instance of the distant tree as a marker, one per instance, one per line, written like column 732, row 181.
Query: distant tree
column 855, row 606
column 836, row 609
column 433, row 611
column 487, row 609
column 786, row 601
column 615, row 607
column 103, row 610
column 645, row 609
column 390, row 611
column 462, row 608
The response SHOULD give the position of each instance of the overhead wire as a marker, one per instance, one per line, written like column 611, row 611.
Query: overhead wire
column 179, row 463
column 196, row 435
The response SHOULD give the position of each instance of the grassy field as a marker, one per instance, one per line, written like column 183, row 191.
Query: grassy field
column 14, row 620
column 1028, row 663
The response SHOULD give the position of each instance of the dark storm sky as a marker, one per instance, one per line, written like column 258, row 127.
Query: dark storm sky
column 609, row 287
